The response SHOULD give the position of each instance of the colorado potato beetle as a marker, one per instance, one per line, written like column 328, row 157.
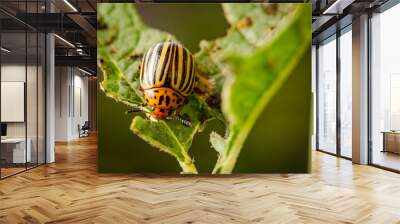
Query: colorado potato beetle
column 167, row 77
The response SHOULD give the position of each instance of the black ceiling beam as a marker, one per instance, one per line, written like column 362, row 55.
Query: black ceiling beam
column 65, row 51
column 50, row 22
column 337, row 24
column 77, row 61
column 17, row 21
column 8, row 24
column 91, row 5
column 86, row 26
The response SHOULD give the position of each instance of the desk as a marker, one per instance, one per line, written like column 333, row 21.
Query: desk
column 16, row 147
column 391, row 141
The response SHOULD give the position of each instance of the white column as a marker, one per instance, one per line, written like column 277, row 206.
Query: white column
column 50, row 98
column 360, row 90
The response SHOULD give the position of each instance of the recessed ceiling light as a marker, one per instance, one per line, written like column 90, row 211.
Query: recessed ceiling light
column 64, row 40
column 70, row 5
column 5, row 50
column 337, row 7
column 84, row 71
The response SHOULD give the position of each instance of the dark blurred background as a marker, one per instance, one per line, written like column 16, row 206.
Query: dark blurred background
column 190, row 23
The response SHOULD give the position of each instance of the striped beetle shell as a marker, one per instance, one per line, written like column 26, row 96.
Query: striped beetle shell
column 167, row 78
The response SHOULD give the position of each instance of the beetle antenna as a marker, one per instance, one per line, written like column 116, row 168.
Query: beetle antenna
column 137, row 108
column 132, row 111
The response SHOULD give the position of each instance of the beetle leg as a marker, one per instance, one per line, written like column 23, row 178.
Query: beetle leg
column 185, row 119
column 185, row 122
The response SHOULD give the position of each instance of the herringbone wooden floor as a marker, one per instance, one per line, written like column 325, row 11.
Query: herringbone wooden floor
column 71, row 191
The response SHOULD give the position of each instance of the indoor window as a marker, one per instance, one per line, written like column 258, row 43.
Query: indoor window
column 327, row 96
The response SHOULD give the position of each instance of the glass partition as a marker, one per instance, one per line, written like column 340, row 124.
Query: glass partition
column 22, row 78
column 327, row 96
column 13, row 95
column 385, row 89
column 346, row 93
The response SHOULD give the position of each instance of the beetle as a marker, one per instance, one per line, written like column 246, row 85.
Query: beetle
column 167, row 77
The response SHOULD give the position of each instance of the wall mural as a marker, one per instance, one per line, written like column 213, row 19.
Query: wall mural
column 204, row 88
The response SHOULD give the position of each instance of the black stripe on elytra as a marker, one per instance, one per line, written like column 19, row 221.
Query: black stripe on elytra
column 160, row 100
column 176, row 61
column 164, row 63
column 187, row 85
column 167, row 99
column 193, row 75
column 167, row 82
column 184, row 64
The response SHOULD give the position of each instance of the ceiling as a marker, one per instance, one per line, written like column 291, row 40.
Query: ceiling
column 332, row 15
column 74, row 22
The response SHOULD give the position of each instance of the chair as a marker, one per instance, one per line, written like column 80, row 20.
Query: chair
column 84, row 130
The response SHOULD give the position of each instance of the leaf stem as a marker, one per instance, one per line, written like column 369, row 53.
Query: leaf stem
column 227, row 160
column 188, row 167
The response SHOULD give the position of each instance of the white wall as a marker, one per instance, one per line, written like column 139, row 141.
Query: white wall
column 33, row 127
column 62, row 81
column 16, row 73
column 80, row 110
column 71, row 102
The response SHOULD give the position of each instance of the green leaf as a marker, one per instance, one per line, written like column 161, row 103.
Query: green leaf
column 263, row 21
column 170, row 138
column 259, row 75
column 122, row 40
column 115, row 84
column 258, row 22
